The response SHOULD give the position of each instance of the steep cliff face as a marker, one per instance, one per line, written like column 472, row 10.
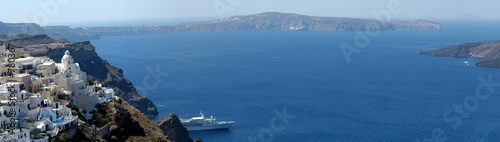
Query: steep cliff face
column 66, row 32
column 119, row 121
column 126, row 122
column 134, row 126
column 18, row 28
column 171, row 128
column 84, row 54
column 490, row 51
column 28, row 40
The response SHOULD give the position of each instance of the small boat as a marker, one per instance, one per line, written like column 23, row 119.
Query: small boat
column 466, row 63
column 201, row 123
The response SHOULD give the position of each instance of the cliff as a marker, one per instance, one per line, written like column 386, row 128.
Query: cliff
column 134, row 126
column 261, row 21
column 169, row 126
column 84, row 54
column 119, row 121
column 416, row 25
column 488, row 51
column 125, row 122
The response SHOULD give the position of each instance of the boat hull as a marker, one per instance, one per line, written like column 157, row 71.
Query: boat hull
column 208, row 127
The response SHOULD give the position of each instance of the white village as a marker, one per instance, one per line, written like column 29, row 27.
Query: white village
column 36, row 92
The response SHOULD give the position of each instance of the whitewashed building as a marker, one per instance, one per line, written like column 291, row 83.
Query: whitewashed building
column 34, row 92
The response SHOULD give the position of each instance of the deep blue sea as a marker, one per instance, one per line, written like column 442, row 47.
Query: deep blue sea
column 298, row 86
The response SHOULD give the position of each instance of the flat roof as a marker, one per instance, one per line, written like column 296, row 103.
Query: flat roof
column 48, row 63
column 22, row 75
column 13, row 82
column 25, row 59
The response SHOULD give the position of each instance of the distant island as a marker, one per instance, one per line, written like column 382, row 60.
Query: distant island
column 489, row 51
column 296, row 22
column 257, row 22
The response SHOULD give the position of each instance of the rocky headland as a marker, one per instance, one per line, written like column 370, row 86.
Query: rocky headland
column 488, row 51
column 169, row 126
column 120, row 121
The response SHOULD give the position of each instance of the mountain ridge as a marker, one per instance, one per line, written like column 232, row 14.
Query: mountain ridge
column 297, row 22
column 260, row 21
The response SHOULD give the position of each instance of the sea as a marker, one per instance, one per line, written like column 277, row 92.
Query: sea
column 282, row 86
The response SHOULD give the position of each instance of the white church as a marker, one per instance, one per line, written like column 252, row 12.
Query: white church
column 74, row 82
column 35, row 97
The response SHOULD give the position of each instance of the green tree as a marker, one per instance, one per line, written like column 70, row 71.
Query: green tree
column 62, row 138
column 90, row 81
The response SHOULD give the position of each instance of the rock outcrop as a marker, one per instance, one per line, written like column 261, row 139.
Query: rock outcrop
column 119, row 121
column 489, row 51
column 171, row 128
column 134, row 126
column 84, row 54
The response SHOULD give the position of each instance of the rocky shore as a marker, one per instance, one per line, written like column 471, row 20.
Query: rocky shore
column 488, row 51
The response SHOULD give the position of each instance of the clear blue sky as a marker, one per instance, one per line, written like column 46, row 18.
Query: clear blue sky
column 85, row 11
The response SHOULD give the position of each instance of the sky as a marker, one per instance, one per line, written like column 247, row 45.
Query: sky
column 96, row 12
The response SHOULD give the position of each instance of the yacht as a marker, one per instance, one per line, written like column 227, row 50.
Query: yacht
column 201, row 123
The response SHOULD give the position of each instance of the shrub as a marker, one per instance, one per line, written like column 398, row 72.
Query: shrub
column 114, row 139
column 113, row 129
column 62, row 138
column 90, row 81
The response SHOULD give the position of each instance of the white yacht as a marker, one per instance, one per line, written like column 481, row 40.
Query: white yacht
column 201, row 123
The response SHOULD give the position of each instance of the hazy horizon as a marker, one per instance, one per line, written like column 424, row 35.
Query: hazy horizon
column 151, row 12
